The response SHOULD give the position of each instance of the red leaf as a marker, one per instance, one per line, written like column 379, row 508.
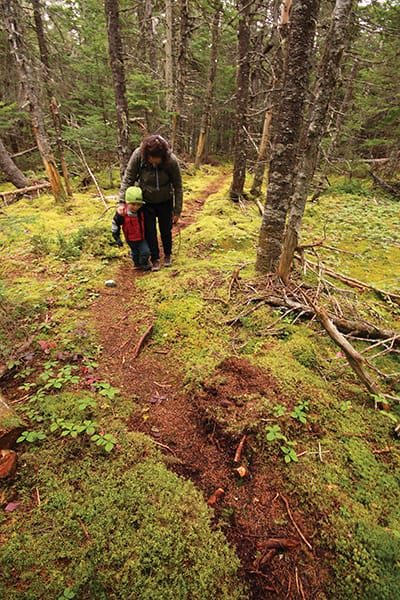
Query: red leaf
column 11, row 506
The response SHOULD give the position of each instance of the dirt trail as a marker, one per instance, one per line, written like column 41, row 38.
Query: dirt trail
column 196, row 447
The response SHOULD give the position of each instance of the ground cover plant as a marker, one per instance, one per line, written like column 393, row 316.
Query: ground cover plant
column 101, row 504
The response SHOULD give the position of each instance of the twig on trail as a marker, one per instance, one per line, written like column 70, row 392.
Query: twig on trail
column 85, row 531
column 36, row 496
column 294, row 523
column 142, row 340
column 215, row 299
column 383, row 450
column 234, row 279
column 239, row 450
column 166, row 447
column 299, row 584
column 122, row 346
column 245, row 313
column 163, row 385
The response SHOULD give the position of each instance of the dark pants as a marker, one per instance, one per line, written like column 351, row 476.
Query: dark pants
column 140, row 253
column 162, row 213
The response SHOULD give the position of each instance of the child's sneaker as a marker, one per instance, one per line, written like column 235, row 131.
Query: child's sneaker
column 167, row 260
column 156, row 266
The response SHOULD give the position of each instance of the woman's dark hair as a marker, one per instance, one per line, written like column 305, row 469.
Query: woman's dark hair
column 155, row 145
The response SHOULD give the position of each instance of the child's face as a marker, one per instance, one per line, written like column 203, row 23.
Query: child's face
column 134, row 206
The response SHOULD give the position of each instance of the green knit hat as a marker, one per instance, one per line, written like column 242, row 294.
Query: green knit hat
column 134, row 195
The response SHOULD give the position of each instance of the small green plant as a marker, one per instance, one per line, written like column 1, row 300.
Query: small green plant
column 274, row 433
column 73, row 429
column 279, row 410
column 67, row 594
column 105, row 440
column 105, row 389
column 85, row 403
column 299, row 411
column 289, row 452
column 31, row 436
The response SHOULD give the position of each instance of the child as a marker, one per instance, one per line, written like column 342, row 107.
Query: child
column 130, row 217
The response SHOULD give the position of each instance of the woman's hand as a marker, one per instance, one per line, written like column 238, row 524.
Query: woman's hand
column 175, row 219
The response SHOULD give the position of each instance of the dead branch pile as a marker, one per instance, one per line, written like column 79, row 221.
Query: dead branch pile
column 338, row 311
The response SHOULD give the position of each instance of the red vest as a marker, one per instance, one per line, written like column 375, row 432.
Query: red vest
column 133, row 227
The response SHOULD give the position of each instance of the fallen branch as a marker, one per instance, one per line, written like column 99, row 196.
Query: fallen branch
column 92, row 175
column 307, row 543
column 392, row 187
column 142, row 340
column 16, row 194
column 355, row 359
column 352, row 282
column 234, row 279
column 239, row 450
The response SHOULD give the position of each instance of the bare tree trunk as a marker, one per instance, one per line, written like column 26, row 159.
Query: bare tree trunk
column 273, row 96
column 118, row 71
column 29, row 86
column 169, row 63
column 337, row 128
column 149, row 38
column 44, row 57
column 287, row 136
column 325, row 86
column 181, row 73
column 208, row 99
column 8, row 166
column 242, row 97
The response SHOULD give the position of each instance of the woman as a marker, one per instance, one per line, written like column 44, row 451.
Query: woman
column 157, row 171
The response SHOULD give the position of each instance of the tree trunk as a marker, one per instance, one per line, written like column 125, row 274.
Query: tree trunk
column 181, row 74
column 29, row 85
column 273, row 96
column 208, row 99
column 118, row 71
column 169, row 62
column 337, row 128
column 325, row 86
column 149, row 38
column 8, row 166
column 242, row 97
column 44, row 57
column 286, row 138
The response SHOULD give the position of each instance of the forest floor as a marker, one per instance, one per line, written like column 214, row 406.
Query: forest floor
column 196, row 447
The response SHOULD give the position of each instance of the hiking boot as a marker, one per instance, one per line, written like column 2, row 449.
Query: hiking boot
column 167, row 260
column 156, row 265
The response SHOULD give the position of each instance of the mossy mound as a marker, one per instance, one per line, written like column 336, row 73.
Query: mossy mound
column 121, row 527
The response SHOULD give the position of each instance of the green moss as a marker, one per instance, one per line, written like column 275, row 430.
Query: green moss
column 124, row 528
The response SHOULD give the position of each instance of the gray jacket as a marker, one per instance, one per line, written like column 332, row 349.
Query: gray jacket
column 159, row 183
